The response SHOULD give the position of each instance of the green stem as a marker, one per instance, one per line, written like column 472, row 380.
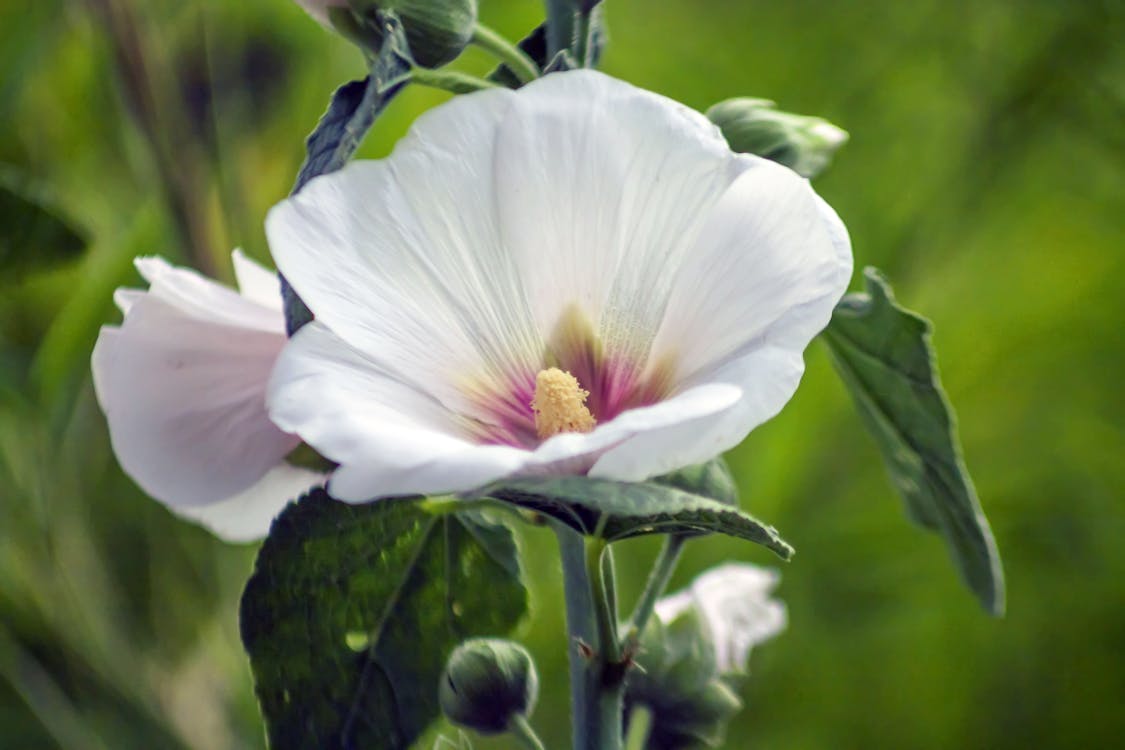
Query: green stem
column 580, row 629
column 640, row 726
column 449, row 80
column 607, row 628
column 515, row 58
column 519, row 728
column 657, row 582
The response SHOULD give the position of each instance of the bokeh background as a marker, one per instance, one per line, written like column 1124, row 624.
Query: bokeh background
column 985, row 175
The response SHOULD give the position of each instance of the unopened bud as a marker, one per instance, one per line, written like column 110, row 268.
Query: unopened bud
column 486, row 683
column 754, row 126
column 436, row 30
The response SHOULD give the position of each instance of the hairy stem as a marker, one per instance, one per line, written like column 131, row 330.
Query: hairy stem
column 522, row 731
column 449, row 80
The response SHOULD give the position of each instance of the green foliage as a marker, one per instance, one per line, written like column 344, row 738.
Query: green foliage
column 633, row 509
column 712, row 480
column 33, row 235
column 535, row 46
column 883, row 353
column 353, row 609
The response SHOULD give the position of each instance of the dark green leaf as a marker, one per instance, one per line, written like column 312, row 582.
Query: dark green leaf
column 633, row 509
column 351, row 113
column 32, row 234
column 353, row 609
column 883, row 353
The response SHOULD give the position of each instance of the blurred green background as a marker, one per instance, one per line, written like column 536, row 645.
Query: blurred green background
column 986, row 175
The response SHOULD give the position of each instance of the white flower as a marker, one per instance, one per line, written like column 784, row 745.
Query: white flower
column 733, row 602
column 182, row 383
column 578, row 225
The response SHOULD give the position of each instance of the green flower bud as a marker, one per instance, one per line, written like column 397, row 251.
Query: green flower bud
column 487, row 682
column 436, row 30
column 754, row 126
column 678, row 683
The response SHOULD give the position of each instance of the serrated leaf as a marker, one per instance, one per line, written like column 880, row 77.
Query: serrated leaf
column 633, row 509
column 351, row 113
column 352, row 610
column 884, row 355
column 32, row 233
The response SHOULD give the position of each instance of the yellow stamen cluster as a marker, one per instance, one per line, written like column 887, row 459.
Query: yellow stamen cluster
column 560, row 404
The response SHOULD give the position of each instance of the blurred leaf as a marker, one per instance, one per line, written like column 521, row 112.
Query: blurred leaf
column 883, row 353
column 353, row 609
column 633, row 509
column 32, row 234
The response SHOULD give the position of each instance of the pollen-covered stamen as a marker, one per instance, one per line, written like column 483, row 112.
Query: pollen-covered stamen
column 560, row 404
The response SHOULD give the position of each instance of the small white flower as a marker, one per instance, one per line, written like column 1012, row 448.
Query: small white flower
column 182, row 383
column 733, row 602
column 578, row 276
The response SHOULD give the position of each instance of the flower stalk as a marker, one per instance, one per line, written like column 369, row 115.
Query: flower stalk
column 449, row 80
column 640, row 727
column 515, row 58
column 657, row 583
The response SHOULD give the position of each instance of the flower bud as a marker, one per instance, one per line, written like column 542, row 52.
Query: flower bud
column 436, row 30
column 487, row 682
column 755, row 126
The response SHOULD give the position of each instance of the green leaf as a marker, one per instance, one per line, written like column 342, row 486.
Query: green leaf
column 712, row 480
column 352, row 611
column 32, row 233
column 883, row 353
column 633, row 509
column 351, row 113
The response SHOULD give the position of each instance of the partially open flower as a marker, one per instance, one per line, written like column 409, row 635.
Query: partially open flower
column 182, row 383
column 733, row 603
column 578, row 276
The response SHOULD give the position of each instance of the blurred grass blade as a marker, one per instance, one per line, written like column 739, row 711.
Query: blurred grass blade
column 883, row 353
column 32, row 233
column 353, row 609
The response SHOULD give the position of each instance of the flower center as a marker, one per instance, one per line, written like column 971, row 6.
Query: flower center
column 559, row 404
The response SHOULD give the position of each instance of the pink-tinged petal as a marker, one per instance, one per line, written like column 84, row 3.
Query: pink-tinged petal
column 185, row 400
column 257, row 283
column 200, row 298
column 247, row 516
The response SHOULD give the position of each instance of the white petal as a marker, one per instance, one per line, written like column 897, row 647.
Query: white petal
column 602, row 187
column 765, row 378
column 734, row 601
column 389, row 437
column 768, row 258
column 769, row 267
column 248, row 515
column 402, row 258
column 185, row 401
column 201, row 298
column 256, row 282
column 672, row 606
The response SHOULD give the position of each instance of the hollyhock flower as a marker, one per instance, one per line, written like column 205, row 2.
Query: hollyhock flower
column 182, row 383
column 733, row 603
column 578, row 276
